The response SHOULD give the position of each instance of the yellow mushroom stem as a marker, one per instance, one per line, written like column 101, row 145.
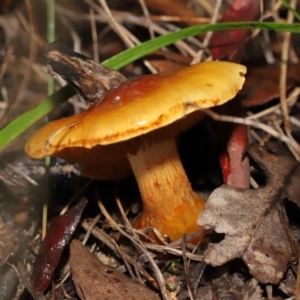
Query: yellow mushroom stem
column 170, row 204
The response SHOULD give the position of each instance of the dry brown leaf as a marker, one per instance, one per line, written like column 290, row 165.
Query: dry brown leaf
column 262, row 86
column 253, row 221
column 252, row 290
column 93, row 280
column 227, row 287
column 233, row 287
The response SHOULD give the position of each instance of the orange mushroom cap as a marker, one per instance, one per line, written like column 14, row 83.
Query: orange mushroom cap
column 137, row 107
column 134, row 127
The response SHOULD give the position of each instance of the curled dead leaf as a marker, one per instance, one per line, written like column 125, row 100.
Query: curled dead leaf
column 253, row 221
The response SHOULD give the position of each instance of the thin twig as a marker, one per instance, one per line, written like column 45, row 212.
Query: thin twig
column 89, row 231
column 186, row 270
column 106, row 239
column 139, row 245
column 32, row 56
column 114, row 25
column 94, row 35
column 208, row 36
column 21, row 173
column 256, row 124
column 283, row 74
column 147, row 16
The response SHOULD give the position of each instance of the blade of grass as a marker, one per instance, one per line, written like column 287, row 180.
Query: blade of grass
column 23, row 122
column 287, row 5
column 50, row 39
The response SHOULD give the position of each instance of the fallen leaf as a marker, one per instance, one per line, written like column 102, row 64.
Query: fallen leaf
column 253, row 221
column 230, row 43
column 234, row 288
column 58, row 236
column 226, row 287
column 252, row 290
column 262, row 85
column 93, row 280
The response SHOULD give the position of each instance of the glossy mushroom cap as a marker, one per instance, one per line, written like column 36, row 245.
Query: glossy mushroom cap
column 99, row 138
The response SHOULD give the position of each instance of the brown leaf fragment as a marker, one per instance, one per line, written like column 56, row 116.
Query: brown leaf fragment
column 233, row 287
column 288, row 284
column 225, row 287
column 292, row 187
column 252, row 291
column 93, row 280
column 254, row 226
column 262, row 86
column 266, row 255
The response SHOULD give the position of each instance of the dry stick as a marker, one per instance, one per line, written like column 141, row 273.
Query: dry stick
column 120, row 253
column 126, row 16
column 114, row 25
column 283, row 72
column 186, row 270
column 140, row 245
column 147, row 16
column 32, row 55
column 88, row 233
column 128, row 38
column 151, row 32
column 181, row 45
column 256, row 124
column 277, row 126
column 104, row 238
column 158, row 274
column 21, row 173
column 94, row 35
column 173, row 251
column 208, row 36
column 140, row 279
column 274, row 9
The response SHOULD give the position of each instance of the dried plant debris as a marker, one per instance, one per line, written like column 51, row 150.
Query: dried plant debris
column 90, row 79
column 234, row 287
column 254, row 221
column 262, row 86
column 94, row 280
column 59, row 234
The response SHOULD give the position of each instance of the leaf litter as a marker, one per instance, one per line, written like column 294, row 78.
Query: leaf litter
column 253, row 220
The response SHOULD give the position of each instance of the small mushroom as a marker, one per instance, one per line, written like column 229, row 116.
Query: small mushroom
column 134, row 128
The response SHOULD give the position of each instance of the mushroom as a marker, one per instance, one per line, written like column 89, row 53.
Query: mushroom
column 134, row 128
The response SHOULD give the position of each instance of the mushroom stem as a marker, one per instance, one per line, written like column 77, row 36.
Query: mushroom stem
column 170, row 204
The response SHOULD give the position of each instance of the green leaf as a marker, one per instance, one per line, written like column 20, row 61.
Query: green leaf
column 287, row 5
column 23, row 122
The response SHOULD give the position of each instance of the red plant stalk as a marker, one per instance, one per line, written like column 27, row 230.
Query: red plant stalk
column 230, row 45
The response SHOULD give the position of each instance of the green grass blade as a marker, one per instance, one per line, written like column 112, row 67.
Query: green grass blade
column 139, row 51
column 19, row 125
column 27, row 119
column 287, row 5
